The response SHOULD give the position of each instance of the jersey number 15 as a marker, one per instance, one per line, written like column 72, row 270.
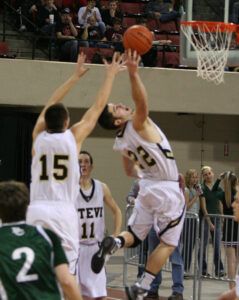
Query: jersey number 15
column 59, row 167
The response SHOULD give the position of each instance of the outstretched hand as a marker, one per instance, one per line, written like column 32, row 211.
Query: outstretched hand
column 132, row 59
column 117, row 64
column 81, row 69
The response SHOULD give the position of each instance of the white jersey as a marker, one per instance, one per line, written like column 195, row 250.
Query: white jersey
column 55, row 169
column 155, row 160
column 90, row 206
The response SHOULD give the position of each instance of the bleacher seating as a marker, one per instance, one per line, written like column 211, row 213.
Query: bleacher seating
column 132, row 7
column 129, row 21
column 4, row 48
column 90, row 52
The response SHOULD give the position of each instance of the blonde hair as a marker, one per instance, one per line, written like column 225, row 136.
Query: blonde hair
column 188, row 176
column 204, row 168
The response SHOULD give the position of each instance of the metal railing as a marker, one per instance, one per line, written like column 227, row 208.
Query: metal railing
column 218, row 234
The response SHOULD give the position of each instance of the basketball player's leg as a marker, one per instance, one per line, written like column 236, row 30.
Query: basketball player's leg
column 156, row 260
column 158, row 257
column 139, row 223
column 93, row 286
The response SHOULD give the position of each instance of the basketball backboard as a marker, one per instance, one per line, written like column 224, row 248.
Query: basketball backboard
column 209, row 10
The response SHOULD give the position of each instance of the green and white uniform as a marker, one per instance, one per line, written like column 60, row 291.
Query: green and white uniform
column 28, row 256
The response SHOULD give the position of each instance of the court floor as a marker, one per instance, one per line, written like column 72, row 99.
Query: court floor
column 210, row 289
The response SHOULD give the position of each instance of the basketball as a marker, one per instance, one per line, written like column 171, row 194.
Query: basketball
column 139, row 38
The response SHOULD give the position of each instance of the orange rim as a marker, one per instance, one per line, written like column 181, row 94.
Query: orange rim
column 211, row 26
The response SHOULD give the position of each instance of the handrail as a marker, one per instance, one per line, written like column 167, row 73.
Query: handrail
column 37, row 33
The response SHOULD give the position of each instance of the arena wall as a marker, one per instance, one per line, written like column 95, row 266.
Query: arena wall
column 199, row 118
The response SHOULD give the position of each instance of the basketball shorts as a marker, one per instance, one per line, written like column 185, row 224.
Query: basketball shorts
column 157, row 204
column 92, row 285
column 62, row 219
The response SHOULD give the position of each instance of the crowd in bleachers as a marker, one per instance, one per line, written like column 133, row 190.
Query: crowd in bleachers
column 97, row 26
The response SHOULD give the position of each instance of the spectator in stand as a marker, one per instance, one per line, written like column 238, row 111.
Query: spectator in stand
column 209, row 204
column 149, row 59
column 91, row 32
column 233, row 294
column 47, row 16
column 192, row 193
column 230, row 228
column 162, row 10
column 28, row 9
column 115, row 35
column 66, row 34
column 112, row 13
column 88, row 11
column 235, row 13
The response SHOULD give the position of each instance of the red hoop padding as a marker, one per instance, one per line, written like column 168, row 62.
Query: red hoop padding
column 211, row 26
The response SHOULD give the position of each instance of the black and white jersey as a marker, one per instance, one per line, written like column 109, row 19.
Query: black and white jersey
column 156, row 160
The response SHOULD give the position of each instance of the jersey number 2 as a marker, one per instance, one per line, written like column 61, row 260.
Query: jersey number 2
column 29, row 254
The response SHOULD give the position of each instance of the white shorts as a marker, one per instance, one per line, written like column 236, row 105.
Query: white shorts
column 62, row 219
column 158, row 203
column 92, row 285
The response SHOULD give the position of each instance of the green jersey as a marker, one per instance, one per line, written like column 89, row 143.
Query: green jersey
column 28, row 256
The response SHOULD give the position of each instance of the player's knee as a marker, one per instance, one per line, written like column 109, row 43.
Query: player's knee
column 137, row 241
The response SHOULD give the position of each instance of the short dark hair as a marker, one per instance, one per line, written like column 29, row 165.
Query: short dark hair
column 55, row 116
column 106, row 119
column 14, row 200
column 90, row 156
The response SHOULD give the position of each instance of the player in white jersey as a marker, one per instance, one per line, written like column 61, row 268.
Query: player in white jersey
column 90, row 205
column 55, row 172
column 160, row 202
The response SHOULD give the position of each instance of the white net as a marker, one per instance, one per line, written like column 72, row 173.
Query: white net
column 211, row 43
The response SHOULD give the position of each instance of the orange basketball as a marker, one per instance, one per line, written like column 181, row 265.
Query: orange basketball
column 139, row 38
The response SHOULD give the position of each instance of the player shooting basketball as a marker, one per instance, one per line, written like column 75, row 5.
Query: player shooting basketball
column 160, row 202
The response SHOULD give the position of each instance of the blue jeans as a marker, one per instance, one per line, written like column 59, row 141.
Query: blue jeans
column 177, row 266
column 216, row 240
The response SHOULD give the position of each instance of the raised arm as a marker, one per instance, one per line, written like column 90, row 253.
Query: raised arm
column 83, row 128
column 59, row 93
column 138, row 90
column 110, row 202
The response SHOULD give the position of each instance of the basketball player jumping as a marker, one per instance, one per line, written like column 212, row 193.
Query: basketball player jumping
column 55, row 171
column 160, row 202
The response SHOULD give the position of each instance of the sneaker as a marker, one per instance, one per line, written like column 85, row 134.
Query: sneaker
column 107, row 246
column 221, row 274
column 187, row 275
column 135, row 292
column 175, row 296
column 152, row 296
column 206, row 274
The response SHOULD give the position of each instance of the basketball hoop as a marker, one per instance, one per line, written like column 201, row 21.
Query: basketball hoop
column 211, row 41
